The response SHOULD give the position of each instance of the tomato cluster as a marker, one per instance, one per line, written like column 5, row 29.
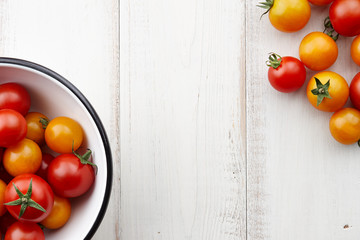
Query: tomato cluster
column 326, row 90
column 35, row 187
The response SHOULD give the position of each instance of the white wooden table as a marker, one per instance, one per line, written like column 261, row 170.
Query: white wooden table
column 203, row 147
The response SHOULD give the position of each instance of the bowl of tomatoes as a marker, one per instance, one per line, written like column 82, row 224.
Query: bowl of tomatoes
column 56, row 164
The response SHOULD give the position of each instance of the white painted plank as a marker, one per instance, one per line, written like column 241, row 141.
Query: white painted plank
column 301, row 183
column 182, row 119
column 79, row 40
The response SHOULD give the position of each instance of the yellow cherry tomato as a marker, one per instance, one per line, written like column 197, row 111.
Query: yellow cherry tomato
column 35, row 129
column 338, row 91
column 345, row 125
column 61, row 133
column 2, row 195
column 287, row 15
column 59, row 214
column 23, row 157
column 355, row 50
column 318, row 51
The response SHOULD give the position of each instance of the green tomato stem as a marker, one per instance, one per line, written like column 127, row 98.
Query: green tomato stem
column 266, row 5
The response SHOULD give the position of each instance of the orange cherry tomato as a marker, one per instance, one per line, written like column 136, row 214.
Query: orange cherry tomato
column 23, row 157
column 35, row 129
column 338, row 91
column 2, row 195
column 288, row 15
column 345, row 125
column 318, row 51
column 59, row 214
column 320, row 2
column 355, row 50
column 61, row 133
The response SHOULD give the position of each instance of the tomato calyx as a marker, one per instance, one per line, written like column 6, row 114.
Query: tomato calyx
column 266, row 5
column 84, row 159
column 329, row 29
column 321, row 90
column 274, row 60
column 44, row 122
column 25, row 200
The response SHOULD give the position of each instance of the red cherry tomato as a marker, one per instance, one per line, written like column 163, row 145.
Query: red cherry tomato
column 320, row 2
column 68, row 177
column 40, row 193
column 46, row 160
column 355, row 91
column 286, row 74
column 12, row 127
column 14, row 96
column 24, row 231
column 6, row 221
column 345, row 17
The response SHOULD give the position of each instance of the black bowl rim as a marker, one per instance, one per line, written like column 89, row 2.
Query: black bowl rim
column 94, row 115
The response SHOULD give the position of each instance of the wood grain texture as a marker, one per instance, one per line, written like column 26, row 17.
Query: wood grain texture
column 208, row 149
column 79, row 40
column 301, row 183
column 182, row 119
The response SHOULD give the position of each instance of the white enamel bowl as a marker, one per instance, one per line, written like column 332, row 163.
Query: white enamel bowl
column 53, row 95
